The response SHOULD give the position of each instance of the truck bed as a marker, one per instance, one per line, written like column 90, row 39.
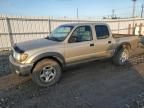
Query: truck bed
column 122, row 35
column 133, row 40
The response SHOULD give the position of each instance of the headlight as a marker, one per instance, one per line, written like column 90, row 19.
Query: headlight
column 20, row 56
column 23, row 57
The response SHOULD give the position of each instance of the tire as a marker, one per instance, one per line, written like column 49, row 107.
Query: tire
column 121, row 57
column 47, row 72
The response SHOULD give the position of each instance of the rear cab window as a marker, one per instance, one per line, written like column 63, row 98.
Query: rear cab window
column 102, row 31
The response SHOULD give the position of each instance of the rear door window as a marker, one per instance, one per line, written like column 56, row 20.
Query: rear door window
column 102, row 31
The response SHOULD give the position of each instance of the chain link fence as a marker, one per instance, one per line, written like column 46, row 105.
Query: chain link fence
column 15, row 29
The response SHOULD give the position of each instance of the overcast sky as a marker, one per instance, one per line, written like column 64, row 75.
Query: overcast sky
column 59, row 8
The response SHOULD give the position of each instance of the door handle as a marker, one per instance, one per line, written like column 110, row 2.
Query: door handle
column 91, row 44
column 109, row 42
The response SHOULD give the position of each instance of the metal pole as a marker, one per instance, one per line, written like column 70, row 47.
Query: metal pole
column 9, row 31
column 133, row 13
column 142, row 11
column 77, row 13
column 113, row 13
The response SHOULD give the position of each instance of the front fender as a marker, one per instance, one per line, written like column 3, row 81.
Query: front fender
column 55, row 55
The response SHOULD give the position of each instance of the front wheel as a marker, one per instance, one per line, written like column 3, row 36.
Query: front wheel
column 121, row 57
column 46, row 73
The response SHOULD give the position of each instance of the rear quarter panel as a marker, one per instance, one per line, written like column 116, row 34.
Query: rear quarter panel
column 132, row 40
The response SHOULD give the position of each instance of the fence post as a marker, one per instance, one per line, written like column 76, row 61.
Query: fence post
column 134, row 28
column 9, row 31
column 140, row 28
column 49, row 22
column 129, row 29
column 118, row 26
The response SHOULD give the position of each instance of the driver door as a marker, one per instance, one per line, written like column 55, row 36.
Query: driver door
column 80, row 45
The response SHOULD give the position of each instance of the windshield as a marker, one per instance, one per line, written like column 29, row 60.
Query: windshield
column 60, row 33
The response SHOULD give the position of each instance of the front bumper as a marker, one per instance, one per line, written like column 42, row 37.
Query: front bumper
column 18, row 68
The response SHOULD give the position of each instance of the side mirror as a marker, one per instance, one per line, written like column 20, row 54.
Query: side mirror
column 72, row 39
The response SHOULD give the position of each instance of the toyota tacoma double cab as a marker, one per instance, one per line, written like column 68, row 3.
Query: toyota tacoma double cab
column 69, row 44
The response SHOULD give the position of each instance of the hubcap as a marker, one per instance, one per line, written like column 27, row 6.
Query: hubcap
column 48, row 73
column 124, row 57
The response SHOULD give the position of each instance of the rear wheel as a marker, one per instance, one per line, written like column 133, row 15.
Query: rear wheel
column 121, row 57
column 46, row 73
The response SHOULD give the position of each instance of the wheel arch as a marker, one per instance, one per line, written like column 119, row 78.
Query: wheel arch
column 52, row 55
column 123, row 45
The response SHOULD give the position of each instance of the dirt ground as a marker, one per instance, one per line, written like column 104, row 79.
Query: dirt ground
column 98, row 84
column 4, row 63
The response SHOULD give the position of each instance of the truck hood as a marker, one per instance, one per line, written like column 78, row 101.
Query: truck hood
column 35, row 44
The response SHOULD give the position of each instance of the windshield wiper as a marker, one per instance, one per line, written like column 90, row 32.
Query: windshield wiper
column 53, row 39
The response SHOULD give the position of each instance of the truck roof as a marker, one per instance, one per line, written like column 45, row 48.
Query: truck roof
column 78, row 24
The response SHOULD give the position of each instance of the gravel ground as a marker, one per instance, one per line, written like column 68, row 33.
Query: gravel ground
column 136, row 103
column 98, row 84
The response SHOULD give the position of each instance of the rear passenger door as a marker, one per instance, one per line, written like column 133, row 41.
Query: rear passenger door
column 103, row 43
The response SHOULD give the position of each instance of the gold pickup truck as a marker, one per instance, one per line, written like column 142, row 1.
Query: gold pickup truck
column 69, row 44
